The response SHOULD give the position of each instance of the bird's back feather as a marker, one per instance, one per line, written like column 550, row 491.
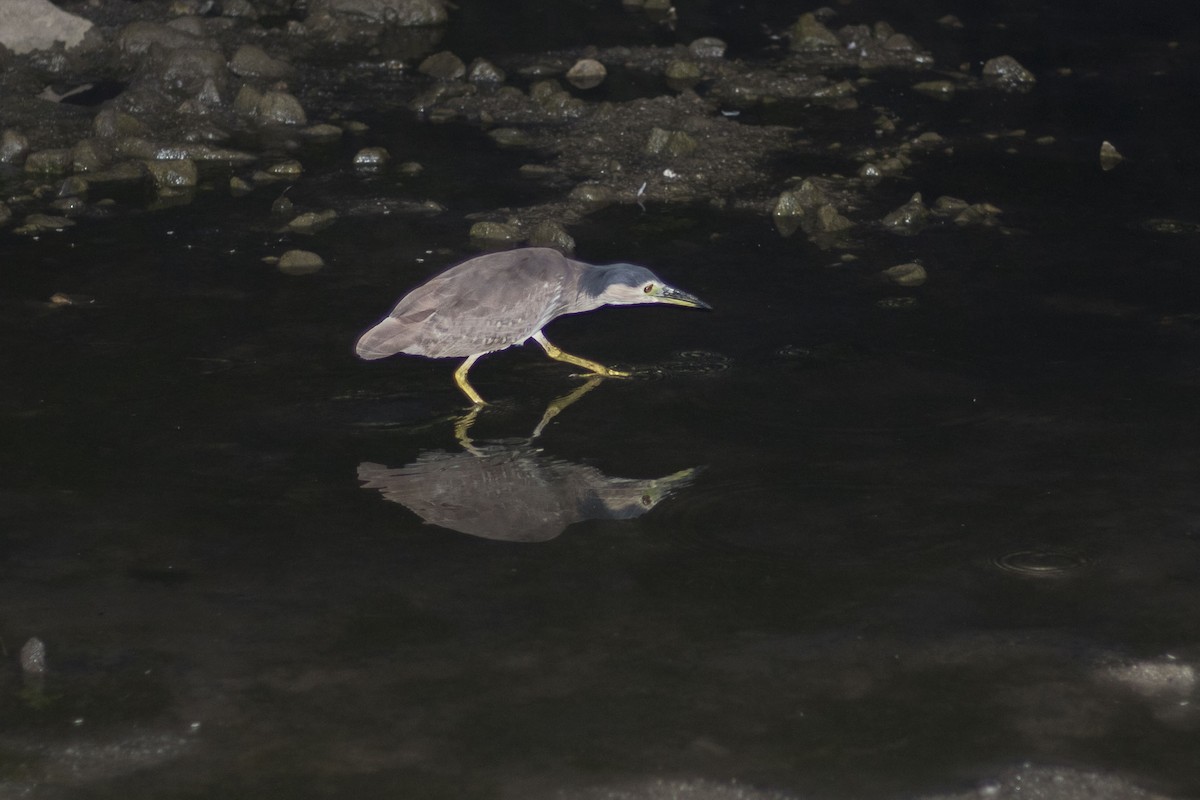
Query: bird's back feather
column 484, row 304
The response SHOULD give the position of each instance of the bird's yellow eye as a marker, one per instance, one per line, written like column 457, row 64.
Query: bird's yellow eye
column 648, row 288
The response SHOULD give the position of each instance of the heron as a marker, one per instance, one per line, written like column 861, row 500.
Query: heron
column 498, row 300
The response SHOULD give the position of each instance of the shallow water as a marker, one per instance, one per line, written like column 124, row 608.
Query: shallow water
column 921, row 544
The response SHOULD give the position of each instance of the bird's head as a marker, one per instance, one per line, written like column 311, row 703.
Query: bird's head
column 629, row 284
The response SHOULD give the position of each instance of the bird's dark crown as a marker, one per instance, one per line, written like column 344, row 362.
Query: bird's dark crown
column 598, row 278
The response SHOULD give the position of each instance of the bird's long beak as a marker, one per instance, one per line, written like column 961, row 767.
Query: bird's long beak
column 669, row 294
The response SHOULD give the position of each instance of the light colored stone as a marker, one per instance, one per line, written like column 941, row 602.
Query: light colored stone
column 28, row 25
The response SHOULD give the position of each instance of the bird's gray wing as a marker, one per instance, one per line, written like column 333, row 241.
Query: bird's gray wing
column 485, row 304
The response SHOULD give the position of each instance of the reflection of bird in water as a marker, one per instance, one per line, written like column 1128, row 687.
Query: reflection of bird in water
column 498, row 300
column 513, row 492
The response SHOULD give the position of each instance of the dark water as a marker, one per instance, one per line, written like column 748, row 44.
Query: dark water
column 921, row 544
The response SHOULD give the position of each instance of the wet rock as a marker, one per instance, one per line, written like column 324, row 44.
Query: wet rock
column 410, row 169
column 200, row 151
column 373, row 157
column 1004, row 72
column 111, row 124
column 551, row 234
column 251, row 61
column 36, row 224
column 48, row 162
column 14, row 145
column 494, row 233
column 64, row 299
column 300, row 262
column 1109, row 157
column 792, row 206
column 1029, row 782
column 897, row 303
column 239, row 8
column 593, row 197
column 885, row 167
column 28, row 25
column 509, row 137
column 90, row 155
column 137, row 38
column 5, row 214
column 173, row 174
column 808, row 33
column 401, row 13
column 829, row 220
column 911, row 274
column 672, row 144
column 908, row 219
column 681, row 74
column 239, row 186
column 1153, row 678
column 939, row 89
column 124, row 172
column 74, row 186
column 322, row 131
column 586, row 73
column 977, row 214
column 554, row 100
column 290, row 169
column 246, row 101
column 280, row 108
column 484, row 71
column 312, row 221
column 33, row 657
column 444, row 66
column 69, row 206
column 946, row 205
column 707, row 47
column 191, row 70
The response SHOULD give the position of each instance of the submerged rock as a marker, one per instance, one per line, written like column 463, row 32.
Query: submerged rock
column 809, row 33
column 445, row 66
column 911, row 274
column 707, row 47
column 496, row 232
column 137, row 38
column 484, row 71
column 187, row 70
column 14, row 145
column 373, row 157
column 392, row 12
column 280, row 108
column 670, row 143
column 173, row 174
column 1109, row 156
column 300, row 262
column 48, row 162
column 312, row 221
column 551, row 234
column 1004, row 72
column 251, row 61
column 909, row 218
column 35, row 224
column 586, row 73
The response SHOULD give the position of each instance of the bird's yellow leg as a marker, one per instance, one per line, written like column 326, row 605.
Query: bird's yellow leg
column 559, row 355
column 460, row 378
column 560, row 405
column 462, row 430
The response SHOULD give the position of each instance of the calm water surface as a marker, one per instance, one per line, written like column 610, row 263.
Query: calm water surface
column 918, row 544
